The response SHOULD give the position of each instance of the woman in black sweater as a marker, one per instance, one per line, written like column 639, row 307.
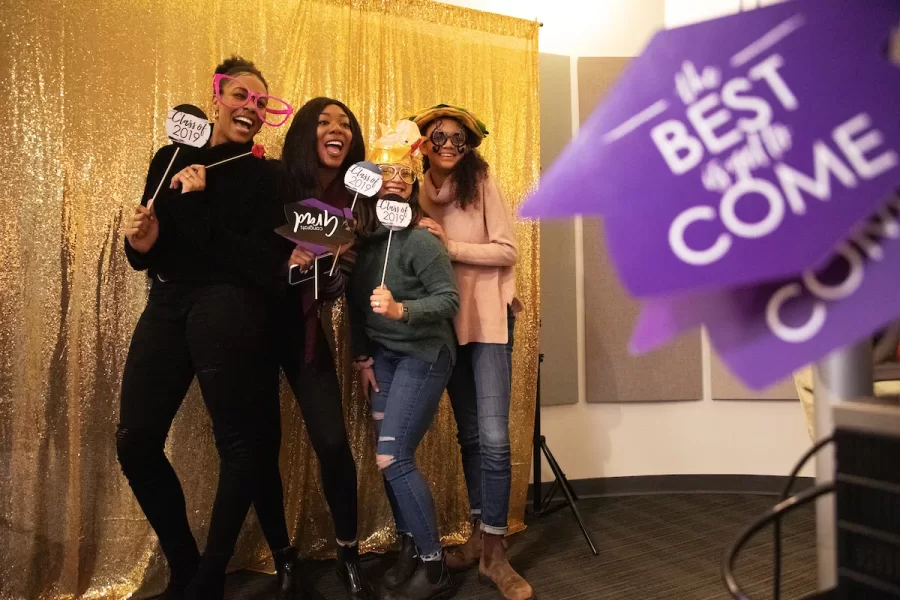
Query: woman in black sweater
column 209, row 247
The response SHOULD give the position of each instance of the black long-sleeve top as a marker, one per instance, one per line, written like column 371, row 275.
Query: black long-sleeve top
column 223, row 234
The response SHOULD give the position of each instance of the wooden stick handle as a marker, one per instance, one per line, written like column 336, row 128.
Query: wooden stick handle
column 221, row 162
column 164, row 177
column 337, row 253
column 386, row 253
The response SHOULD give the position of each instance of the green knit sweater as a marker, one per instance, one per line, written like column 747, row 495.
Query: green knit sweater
column 420, row 276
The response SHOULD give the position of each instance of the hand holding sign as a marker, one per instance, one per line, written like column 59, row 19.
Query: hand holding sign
column 143, row 229
column 302, row 259
column 191, row 179
column 383, row 303
column 394, row 213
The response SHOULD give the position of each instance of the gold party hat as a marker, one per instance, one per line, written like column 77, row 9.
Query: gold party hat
column 398, row 145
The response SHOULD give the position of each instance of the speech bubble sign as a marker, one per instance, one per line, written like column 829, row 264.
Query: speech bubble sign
column 729, row 141
column 187, row 125
column 315, row 225
column 363, row 178
column 393, row 214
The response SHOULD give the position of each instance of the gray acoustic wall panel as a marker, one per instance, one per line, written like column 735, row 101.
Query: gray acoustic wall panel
column 672, row 374
column 559, row 373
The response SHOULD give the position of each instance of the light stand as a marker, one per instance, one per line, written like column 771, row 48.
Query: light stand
column 544, row 505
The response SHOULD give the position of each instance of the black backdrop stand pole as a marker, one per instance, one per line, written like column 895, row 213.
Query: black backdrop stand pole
column 536, row 495
column 544, row 506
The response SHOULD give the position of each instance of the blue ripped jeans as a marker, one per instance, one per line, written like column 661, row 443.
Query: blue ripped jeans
column 403, row 409
column 479, row 391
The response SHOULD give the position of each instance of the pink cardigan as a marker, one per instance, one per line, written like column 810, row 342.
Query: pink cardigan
column 482, row 246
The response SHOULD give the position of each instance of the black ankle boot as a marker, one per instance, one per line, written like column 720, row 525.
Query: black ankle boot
column 351, row 573
column 209, row 582
column 287, row 568
column 178, row 583
column 175, row 590
column 183, row 563
column 406, row 565
column 430, row 582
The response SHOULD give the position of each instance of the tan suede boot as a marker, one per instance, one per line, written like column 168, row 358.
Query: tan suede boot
column 496, row 570
column 466, row 556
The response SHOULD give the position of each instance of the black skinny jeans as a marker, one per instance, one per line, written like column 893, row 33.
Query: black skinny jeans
column 216, row 332
column 315, row 386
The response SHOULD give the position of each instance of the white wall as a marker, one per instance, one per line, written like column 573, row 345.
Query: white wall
column 704, row 437
column 579, row 27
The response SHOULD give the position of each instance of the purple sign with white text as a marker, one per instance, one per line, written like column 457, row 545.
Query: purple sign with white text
column 316, row 226
column 764, row 332
column 730, row 161
column 728, row 142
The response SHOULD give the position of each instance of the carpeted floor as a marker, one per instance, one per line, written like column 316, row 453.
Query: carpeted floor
column 657, row 547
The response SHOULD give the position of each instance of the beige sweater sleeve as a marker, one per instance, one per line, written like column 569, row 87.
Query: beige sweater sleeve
column 500, row 248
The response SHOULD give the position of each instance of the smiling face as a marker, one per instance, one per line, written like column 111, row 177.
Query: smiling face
column 446, row 154
column 395, row 181
column 334, row 135
column 238, row 124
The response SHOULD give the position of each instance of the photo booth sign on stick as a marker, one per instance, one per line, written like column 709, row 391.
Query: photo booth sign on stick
column 745, row 150
column 363, row 178
column 186, row 125
column 317, row 227
column 395, row 215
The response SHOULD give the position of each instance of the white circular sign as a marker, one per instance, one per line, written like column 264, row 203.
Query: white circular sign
column 186, row 124
column 363, row 178
column 393, row 215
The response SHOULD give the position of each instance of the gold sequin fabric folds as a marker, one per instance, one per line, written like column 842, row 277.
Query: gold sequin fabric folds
column 87, row 88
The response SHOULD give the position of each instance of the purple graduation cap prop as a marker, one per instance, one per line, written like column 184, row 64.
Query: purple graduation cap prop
column 318, row 227
column 744, row 168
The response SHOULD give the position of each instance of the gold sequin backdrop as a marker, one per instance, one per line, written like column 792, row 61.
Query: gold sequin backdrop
column 87, row 85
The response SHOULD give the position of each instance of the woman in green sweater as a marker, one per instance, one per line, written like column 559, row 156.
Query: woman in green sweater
column 404, row 347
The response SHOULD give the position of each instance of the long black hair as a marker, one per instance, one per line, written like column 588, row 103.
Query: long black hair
column 367, row 221
column 468, row 173
column 300, row 157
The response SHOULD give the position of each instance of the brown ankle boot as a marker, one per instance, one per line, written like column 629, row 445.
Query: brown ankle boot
column 495, row 568
column 466, row 556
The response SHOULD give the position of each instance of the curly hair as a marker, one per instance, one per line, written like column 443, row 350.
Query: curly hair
column 468, row 173
column 238, row 65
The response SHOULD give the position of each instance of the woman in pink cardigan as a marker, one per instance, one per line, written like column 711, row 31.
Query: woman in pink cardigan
column 470, row 216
